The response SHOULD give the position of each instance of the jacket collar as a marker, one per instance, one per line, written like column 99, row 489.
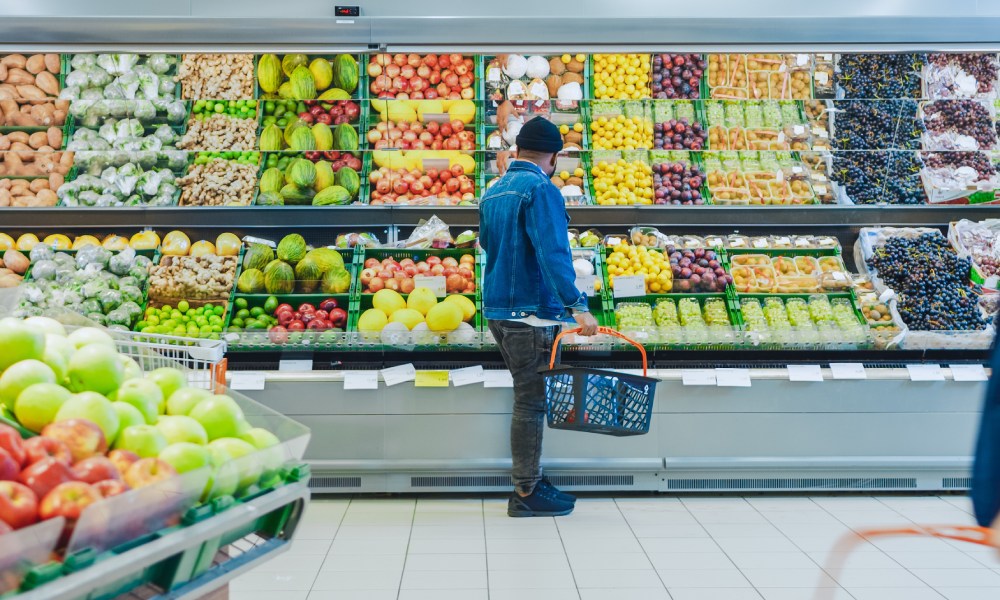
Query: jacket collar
column 524, row 165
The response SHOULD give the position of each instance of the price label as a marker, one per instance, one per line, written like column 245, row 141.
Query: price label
column 498, row 379
column 820, row 189
column 886, row 295
column 246, row 380
column 586, row 284
column 698, row 377
column 968, row 372
column 360, row 380
column 401, row 374
column 493, row 75
column 435, row 283
column 782, row 68
column 761, row 243
column 296, row 365
column 781, row 137
column 798, row 129
column 612, row 241
column 848, row 371
column 805, row 373
column 823, row 134
column 732, row 377
column 630, row 286
column 431, row 379
column 822, row 77
column 992, row 282
column 256, row 240
column 925, row 372
column 467, row 376
column 801, row 59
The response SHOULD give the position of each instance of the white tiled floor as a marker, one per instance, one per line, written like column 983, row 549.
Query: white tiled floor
column 730, row 548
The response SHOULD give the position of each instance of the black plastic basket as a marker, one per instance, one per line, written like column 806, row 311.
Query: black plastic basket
column 597, row 400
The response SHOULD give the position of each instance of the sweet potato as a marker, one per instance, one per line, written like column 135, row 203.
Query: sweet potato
column 10, row 281
column 31, row 92
column 48, row 83
column 56, row 180
column 37, row 185
column 35, row 64
column 3, row 72
column 47, row 198
column 5, row 198
column 14, row 60
column 18, row 76
column 43, row 113
column 7, row 91
column 19, row 136
column 52, row 63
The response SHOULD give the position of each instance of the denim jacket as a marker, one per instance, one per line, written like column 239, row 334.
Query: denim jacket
column 529, row 267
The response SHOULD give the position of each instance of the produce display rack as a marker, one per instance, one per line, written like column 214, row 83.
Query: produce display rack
column 360, row 93
column 806, row 337
column 713, row 338
column 477, row 178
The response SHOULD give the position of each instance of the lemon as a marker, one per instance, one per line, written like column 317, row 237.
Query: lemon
column 564, row 129
column 564, row 175
column 566, row 58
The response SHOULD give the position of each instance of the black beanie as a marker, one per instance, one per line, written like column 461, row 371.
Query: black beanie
column 540, row 135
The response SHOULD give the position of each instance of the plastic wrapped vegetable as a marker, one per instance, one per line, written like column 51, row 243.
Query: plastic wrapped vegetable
column 161, row 63
column 131, row 293
column 41, row 252
column 83, row 61
column 43, row 270
column 143, row 109
column 110, row 300
column 121, row 263
column 176, row 112
column 117, row 64
column 131, row 308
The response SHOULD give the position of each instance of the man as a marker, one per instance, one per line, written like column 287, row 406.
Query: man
column 529, row 290
column 985, row 491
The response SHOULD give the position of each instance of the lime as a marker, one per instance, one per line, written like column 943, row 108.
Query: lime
column 166, row 308
column 270, row 304
column 240, row 303
column 219, row 310
column 183, row 306
column 242, row 313
column 256, row 311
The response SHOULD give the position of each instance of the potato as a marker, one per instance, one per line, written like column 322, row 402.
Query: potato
column 52, row 63
column 35, row 64
column 55, row 137
column 48, row 83
column 38, row 139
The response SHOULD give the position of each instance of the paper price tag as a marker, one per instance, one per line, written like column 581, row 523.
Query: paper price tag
column 630, row 286
column 360, row 380
column 246, row 380
column 431, row 379
column 761, row 243
column 249, row 239
column 968, row 372
column 498, row 379
column 886, row 295
column 848, row 371
column 781, row 137
column 493, row 75
column 925, row 372
column 467, row 376
column 822, row 77
column 782, row 68
column 296, row 366
column 401, row 374
column 992, row 282
column 732, row 377
column 612, row 242
column 698, row 377
column 586, row 284
column 435, row 283
column 801, row 59
column 805, row 373
column 798, row 130
column 820, row 189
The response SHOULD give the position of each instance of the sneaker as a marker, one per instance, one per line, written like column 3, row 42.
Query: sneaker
column 546, row 484
column 541, row 503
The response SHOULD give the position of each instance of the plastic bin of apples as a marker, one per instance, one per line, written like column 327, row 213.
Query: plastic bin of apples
column 87, row 432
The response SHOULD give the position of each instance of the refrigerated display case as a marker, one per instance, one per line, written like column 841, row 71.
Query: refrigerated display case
column 849, row 121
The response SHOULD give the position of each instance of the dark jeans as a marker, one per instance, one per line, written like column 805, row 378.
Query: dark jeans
column 525, row 350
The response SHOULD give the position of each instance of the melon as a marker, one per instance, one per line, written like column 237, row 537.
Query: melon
column 388, row 301
column 408, row 317
column 444, row 316
column 422, row 300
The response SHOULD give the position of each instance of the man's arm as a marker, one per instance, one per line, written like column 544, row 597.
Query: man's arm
column 547, row 225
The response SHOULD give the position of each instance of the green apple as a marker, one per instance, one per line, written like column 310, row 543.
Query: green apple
column 19, row 342
column 183, row 400
column 219, row 415
column 38, row 405
column 86, row 336
column 60, row 344
column 57, row 362
column 128, row 415
column 46, row 325
column 225, row 478
column 268, row 447
column 93, row 407
column 185, row 456
column 144, row 395
column 95, row 368
column 145, row 440
column 131, row 368
column 20, row 376
column 182, row 429
column 169, row 380
column 245, row 459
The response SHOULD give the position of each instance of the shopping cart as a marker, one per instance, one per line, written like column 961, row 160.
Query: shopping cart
column 983, row 536
column 598, row 400
column 203, row 360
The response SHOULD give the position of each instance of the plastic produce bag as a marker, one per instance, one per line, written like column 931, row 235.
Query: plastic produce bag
column 428, row 234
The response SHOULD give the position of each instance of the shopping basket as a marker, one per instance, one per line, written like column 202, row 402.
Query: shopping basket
column 983, row 536
column 597, row 400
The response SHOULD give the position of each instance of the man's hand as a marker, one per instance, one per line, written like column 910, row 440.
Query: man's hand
column 587, row 322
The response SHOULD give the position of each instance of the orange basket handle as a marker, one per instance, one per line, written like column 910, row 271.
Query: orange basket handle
column 605, row 330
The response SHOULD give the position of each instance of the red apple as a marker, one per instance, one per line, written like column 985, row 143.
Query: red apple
column 338, row 317
column 38, row 448
column 122, row 459
column 147, row 471
column 296, row 326
column 110, row 487
column 46, row 474
column 9, row 468
column 433, row 260
column 68, row 500
column 437, row 270
column 83, row 438
column 328, row 304
column 10, row 440
column 278, row 334
column 18, row 504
